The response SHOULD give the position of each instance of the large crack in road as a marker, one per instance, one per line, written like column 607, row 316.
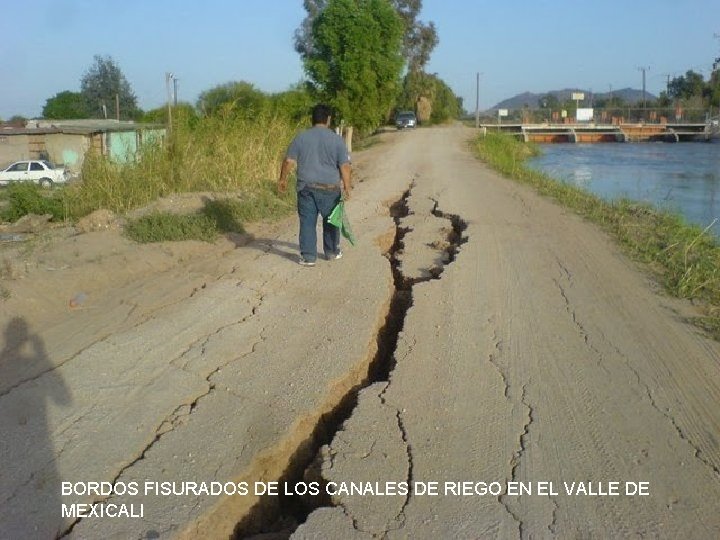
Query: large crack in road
column 282, row 515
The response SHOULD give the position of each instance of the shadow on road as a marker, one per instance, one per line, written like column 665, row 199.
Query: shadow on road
column 286, row 250
column 30, row 502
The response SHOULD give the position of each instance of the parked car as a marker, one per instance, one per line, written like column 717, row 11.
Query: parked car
column 405, row 119
column 40, row 172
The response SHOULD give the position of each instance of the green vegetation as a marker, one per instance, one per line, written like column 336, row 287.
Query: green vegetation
column 219, row 215
column 65, row 105
column 102, row 87
column 161, row 227
column 233, row 139
column 220, row 153
column 23, row 199
column 693, row 89
column 355, row 60
column 683, row 257
column 99, row 87
column 225, row 153
column 243, row 95
column 431, row 97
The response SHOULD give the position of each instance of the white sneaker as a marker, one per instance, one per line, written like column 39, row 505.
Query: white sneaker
column 336, row 257
column 303, row 262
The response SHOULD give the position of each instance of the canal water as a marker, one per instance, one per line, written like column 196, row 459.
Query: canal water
column 682, row 178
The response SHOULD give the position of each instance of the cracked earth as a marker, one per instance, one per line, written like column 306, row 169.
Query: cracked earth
column 477, row 332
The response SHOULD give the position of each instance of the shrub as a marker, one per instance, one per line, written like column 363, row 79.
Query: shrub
column 164, row 226
column 26, row 198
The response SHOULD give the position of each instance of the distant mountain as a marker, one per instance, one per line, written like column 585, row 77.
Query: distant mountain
column 531, row 100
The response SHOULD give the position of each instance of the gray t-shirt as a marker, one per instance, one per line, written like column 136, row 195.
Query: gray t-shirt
column 319, row 153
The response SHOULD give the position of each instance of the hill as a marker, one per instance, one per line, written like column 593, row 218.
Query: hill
column 532, row 100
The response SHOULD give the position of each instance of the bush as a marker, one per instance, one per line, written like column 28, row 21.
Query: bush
column 26, row 198
column 164, row 226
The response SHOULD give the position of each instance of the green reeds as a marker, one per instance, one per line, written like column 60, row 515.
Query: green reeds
column 221, row 153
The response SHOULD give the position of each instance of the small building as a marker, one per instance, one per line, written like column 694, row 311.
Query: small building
column 65, row 142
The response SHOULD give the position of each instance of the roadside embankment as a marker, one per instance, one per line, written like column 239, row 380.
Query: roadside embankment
column 684, row 258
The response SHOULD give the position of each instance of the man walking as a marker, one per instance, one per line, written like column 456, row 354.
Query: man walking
column 322, row 162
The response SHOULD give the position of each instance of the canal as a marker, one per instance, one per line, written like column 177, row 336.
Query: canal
column 682, row 178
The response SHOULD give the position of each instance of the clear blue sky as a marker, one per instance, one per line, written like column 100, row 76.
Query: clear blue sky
column 518, row 45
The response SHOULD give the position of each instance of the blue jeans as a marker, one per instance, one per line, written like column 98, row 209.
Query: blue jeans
column 310, row 203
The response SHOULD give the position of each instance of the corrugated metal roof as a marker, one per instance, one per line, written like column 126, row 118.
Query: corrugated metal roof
column 76, row 127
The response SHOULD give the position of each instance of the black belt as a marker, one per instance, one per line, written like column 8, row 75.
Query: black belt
column 324, row 187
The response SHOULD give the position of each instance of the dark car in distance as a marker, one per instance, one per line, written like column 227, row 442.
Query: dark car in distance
column 405, row 119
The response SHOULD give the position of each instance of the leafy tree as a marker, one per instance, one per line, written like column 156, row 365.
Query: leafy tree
column 304, row 34
column 65, row 105
column 549, row 101
column 355, row 60
column 686, row 86
column 99, row 86
column 712, row 88
column 238, row 96
column 443, row 104
column 294, row 104
column 416, row 84
column 419, row 39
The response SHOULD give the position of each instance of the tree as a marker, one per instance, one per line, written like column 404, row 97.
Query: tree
column 99, row 86
column 240, row 96
column 439, row 102
column 549, row 101
column 686, row 86
column 304, row 34
column 294, row 104
column 65, row 105
column 355, row 60
column 419, row 39
column 445, row 105
column 712, row 90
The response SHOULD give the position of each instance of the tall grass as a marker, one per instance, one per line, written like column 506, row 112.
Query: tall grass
column 685, row 258
column 220, row 153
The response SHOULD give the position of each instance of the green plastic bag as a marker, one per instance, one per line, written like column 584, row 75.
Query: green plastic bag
column 339, row 218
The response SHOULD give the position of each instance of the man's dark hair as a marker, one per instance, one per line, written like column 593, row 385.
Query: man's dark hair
column 320, row 114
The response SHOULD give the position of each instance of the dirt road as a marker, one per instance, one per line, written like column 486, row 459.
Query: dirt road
column 498, row 338
column 540, row 355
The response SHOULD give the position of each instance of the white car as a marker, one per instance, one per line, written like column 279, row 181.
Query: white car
column 40, row 172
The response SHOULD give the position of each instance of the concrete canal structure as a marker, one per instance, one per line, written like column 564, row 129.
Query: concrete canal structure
column 602, row 133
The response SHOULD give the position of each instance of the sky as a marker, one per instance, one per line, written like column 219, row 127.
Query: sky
column 516, row 45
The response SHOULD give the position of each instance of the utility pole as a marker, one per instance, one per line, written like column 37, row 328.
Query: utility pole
column 168, row 77
column 477, row 101
column 117, row 107
column 175, row 82
column 643, row 69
